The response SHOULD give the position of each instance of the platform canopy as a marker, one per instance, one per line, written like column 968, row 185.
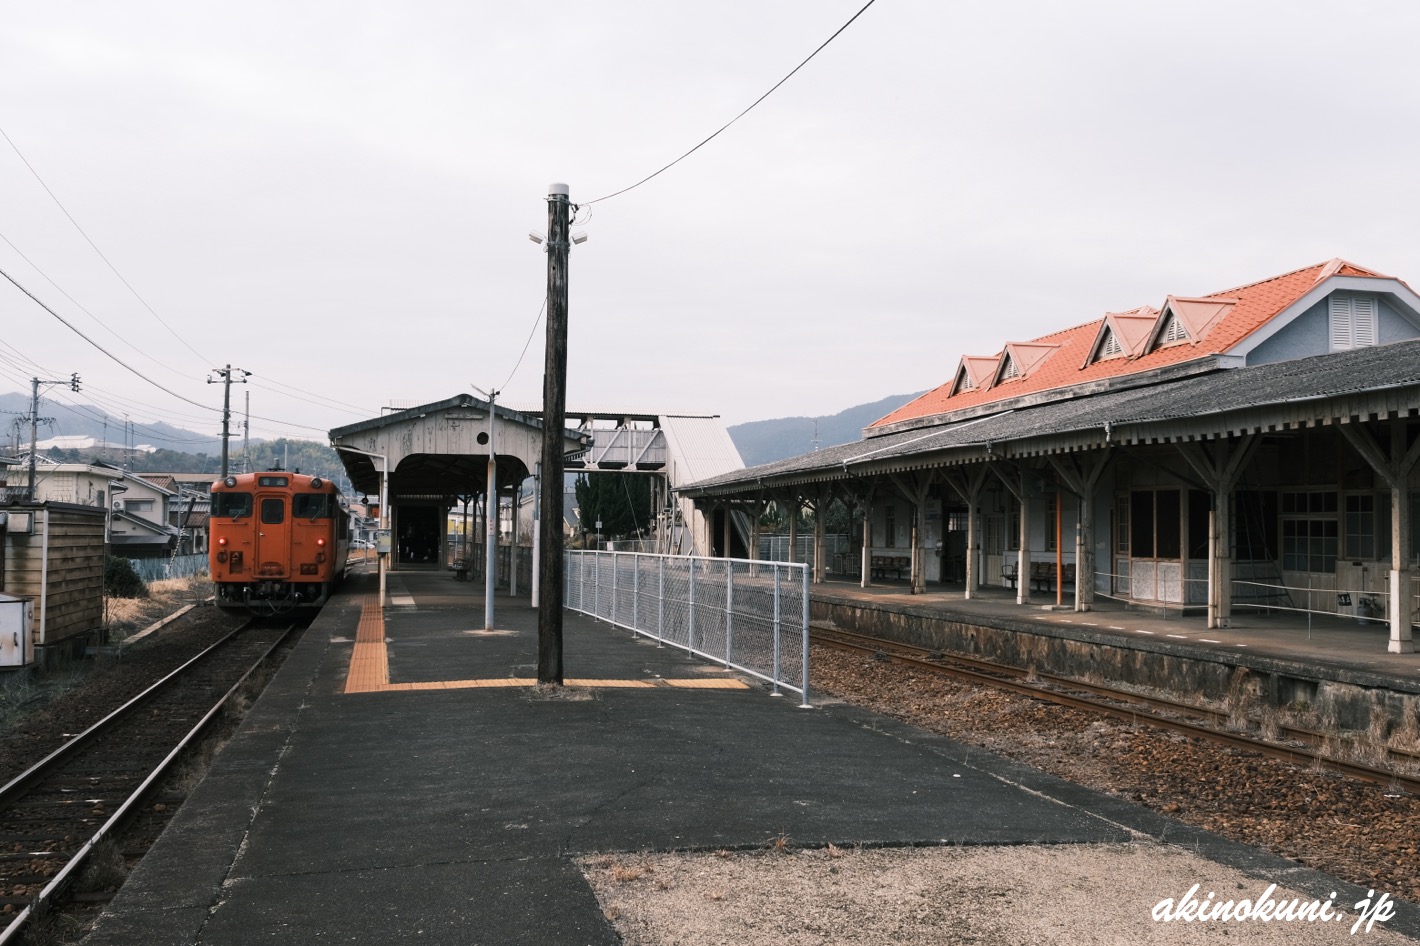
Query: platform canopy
column 441, row 449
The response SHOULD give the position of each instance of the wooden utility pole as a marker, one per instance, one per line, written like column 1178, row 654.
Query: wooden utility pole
column 226, row 375
column 551, row 567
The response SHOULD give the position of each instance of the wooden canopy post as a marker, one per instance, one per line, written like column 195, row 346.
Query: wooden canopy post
column 1015, row 482
column 1081, row 476
column 968, row 486
column 1220, row 466
column 915, row 487
column 1396, row 469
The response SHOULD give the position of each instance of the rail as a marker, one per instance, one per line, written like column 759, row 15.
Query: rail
column 752, row 616
column 26, row 782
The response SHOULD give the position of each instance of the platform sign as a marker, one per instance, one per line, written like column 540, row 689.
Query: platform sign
column 382, row 542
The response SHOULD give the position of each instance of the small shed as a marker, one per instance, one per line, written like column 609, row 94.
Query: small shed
column 53, row 553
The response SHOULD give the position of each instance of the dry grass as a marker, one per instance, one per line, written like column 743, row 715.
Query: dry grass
column 126, row 616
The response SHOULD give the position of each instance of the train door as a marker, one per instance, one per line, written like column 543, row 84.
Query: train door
column 273, row 534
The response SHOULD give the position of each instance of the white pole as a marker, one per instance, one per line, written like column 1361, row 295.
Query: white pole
column 491, row 541
column 537, row 532
column 381, row 557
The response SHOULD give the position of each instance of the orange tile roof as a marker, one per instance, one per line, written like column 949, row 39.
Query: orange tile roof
column 1223, row 318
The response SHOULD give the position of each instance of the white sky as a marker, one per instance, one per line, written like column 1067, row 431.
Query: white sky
column 336, row 196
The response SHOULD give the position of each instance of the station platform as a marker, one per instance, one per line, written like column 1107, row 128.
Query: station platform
column 1314, row 646
column 402, row 780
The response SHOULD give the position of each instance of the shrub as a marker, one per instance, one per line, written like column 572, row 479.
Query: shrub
column 121, row 581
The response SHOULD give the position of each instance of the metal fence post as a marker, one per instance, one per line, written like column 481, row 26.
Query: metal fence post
column 729, row 610
column 690, row 629
column 775, row 674
column 615, row 581
column 661, row 601
column 635, row 593
column 805, row 680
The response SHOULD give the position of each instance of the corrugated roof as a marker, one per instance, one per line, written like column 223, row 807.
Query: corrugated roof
column 699, row 448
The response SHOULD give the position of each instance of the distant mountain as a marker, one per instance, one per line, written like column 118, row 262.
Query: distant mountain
column 89, row 421
column 764, row 441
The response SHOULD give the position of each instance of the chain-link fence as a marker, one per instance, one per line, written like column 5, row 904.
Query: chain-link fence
column 175, row 566
column 752, row 616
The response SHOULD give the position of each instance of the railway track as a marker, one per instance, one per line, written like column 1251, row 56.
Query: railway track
column 55, row 814
column 1303, row 746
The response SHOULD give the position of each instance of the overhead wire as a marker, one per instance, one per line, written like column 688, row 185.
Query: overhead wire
column 60, row 289
column 69, row 325
column 536, row 322
column 139, row 297
column 742, row 114
column 95, row 246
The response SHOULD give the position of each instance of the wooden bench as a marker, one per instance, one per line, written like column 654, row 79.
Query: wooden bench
column 1042, row 575
column 882, row 564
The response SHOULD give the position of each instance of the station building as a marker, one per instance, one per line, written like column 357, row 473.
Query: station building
column 1253, row 447
column 422, row 461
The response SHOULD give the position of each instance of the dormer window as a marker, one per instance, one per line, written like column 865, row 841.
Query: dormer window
column 1354, row 321
column 1010, row 369
column 964, row 382
column 1111, row 348
column 1173, row 332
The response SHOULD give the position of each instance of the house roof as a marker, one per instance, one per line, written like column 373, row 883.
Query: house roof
column 1218, row 403
column 1214, row 323
column 160, row 480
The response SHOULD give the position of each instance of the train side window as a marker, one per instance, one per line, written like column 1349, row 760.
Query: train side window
column 273, row 511
column 312, row 505
column 235, row 505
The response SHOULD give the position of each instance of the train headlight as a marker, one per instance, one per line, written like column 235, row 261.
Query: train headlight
column 230, row 482
column 222, row 540
column 320, row 541
column 317, row 482
column 221, row 558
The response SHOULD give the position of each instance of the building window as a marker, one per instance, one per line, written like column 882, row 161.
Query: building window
column 992, row 529
column 1310, row 531
column 1050, row 513
column 1010, row 369
column 1156, row 527
column 890, row 527
column 1360, row 537
column 1354, row 322
column 138, row 505
column 1121, row 525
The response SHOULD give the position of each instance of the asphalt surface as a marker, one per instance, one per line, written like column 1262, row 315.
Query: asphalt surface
column 453, row 815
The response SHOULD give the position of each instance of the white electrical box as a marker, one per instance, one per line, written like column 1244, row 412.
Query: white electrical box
column 19, row 523
column 16, row 619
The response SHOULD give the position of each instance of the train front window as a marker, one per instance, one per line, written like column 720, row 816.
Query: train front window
column 312, row 506
column 235, row 505
column 273, row 511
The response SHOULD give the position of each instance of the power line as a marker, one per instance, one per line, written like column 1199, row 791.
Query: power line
column 96, row 248
column 84, row 310
column 536, row 322
column 741, row 114
column 69, row 325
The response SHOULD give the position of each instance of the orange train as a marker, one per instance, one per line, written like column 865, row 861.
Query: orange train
column 276, row 541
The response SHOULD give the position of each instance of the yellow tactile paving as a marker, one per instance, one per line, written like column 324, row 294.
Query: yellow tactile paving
column 369, row 662
column 370, row 668
column 709, row 684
